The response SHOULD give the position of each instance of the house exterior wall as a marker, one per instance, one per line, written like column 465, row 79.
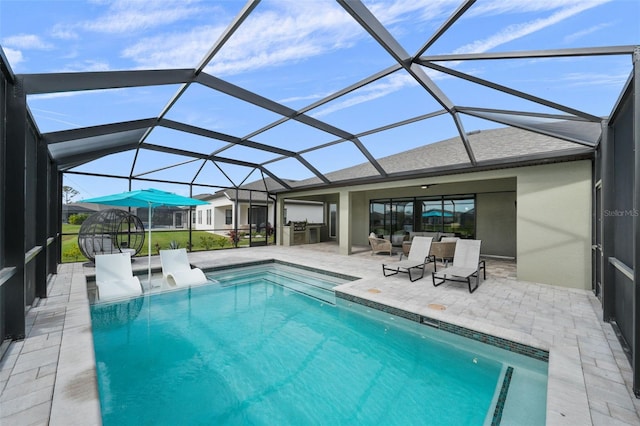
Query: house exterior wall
column 219, row 217
column 313, row 213
column 301, row 212
column 552, row 219
column 496, row 222
column 554, row 224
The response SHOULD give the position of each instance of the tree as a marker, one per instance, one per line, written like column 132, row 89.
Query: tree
column 68, row 193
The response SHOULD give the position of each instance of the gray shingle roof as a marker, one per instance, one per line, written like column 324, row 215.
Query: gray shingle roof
column 487, row 145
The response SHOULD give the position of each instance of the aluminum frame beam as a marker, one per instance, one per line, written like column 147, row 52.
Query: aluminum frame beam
column 92, row 131
column 511, row 91
column 478, row 114
column 446, row 25
column 527, row 54
column 373, row 26
column 636, row 224
column 80, row 81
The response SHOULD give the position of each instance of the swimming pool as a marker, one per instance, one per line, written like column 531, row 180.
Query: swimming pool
column 252, row 351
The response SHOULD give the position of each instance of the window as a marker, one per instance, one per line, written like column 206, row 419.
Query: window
column 450, row 214
column 431, row 215
column 228, row 217
column 460, row 218
column 200, row 217
column 333, row 218
column 392, row 217
column 208, row 216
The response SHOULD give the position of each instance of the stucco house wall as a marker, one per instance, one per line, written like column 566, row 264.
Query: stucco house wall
column 552, row 215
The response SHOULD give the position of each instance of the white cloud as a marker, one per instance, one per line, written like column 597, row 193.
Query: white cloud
column 51, row 115
column 26, row 41
column 70, row 94
column 390, row 13
column 13, row 56
column 595, row 79
column 292, row 32
column 499, row 7
column 516, row 31
column 370, row 92
column 86, row 66
column 130, row 15
column 579, row 34
column 63, row 32
column 304, row 98
column 173, row 50
column 287, row 32
column 276, row 38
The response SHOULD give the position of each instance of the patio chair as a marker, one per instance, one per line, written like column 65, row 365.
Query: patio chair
column 417, row 259
column 466, row 265
column 379, row 245
column 177, row 271
column 114, row 277
column 444, row 249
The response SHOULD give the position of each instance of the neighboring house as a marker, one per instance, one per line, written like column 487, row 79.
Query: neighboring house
column 253, row 210
column 163, row 217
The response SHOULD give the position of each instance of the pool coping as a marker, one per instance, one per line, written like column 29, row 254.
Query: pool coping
column 499, row 342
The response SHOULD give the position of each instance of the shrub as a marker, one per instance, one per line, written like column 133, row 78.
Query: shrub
column 73, row 252
column 233, row 237
column 207, row 241
column 222, row 241
column 174, row 245
column 78, row 219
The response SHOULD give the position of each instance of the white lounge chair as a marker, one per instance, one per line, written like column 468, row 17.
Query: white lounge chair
column 114, row 277
column 177, row 271
column 466, row 265
column 417, row 259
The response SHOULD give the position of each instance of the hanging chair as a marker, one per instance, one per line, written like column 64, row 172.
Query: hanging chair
column 111, row 231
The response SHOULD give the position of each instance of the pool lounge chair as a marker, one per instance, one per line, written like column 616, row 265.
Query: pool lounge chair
column 114, row 277
column 466, row 265
column 417, row 259
column 177, row 271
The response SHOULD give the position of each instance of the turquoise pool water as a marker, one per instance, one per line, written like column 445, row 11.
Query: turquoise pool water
column 249, row 350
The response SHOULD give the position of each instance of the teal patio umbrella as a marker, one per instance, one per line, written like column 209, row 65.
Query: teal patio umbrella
column 149, row 198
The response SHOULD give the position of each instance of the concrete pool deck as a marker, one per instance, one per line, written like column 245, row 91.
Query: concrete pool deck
column 49, row 377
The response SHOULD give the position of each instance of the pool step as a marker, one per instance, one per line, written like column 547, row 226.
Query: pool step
column 309, row 284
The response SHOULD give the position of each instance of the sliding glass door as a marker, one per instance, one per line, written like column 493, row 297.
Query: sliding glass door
column 398, row 217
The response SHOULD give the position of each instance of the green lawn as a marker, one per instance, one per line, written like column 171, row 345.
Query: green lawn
column 201, row 240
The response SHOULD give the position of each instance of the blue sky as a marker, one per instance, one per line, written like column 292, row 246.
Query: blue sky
column 297, row 52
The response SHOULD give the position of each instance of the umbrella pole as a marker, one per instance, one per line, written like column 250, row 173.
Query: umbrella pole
column 149, row 252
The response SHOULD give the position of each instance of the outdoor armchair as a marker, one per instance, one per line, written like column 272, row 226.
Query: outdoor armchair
column 380, row 245
column 444, row 249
